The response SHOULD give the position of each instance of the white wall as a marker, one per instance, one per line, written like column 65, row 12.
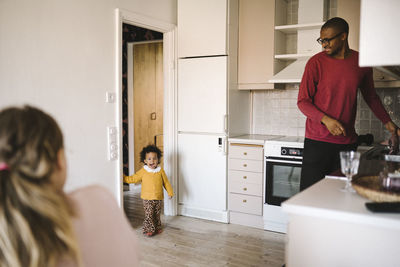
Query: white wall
column 60, row 56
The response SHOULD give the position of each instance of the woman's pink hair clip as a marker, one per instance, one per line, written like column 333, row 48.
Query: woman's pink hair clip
column 4, row 166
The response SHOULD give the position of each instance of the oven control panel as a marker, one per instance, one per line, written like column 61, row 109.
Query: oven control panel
column 291, row 151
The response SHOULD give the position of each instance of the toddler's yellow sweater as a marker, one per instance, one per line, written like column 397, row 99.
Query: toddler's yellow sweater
column 152, row 184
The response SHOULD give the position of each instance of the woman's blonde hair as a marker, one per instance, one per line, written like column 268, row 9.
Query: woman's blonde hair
column 35, row 219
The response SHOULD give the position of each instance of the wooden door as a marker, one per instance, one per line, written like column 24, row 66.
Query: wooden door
column 148, row 97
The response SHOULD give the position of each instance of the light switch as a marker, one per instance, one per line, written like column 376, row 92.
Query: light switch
column 112, row 130
column 110, row 97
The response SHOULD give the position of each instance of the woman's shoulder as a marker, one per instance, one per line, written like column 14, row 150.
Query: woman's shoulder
column 90, row 197
column 91, row 189
column 99, row 220
column 95, row 191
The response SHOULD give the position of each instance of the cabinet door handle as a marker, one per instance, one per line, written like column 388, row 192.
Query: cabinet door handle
column 244, row 165
column 244, row 177
column 225, row 120
column 245, row 189
column 244, row 200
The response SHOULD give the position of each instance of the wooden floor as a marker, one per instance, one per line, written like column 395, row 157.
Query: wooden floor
column 194, row 242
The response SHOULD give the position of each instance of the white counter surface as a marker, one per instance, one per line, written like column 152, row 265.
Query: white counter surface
column 325, row 200
column 257, row 139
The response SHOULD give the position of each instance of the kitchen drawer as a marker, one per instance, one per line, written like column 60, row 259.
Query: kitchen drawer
column 245, row 203
column 244, row 151
column 244, row 187
column 251, row 177
column 246, row 165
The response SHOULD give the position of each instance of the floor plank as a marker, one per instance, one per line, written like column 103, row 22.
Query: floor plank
column 194, row 242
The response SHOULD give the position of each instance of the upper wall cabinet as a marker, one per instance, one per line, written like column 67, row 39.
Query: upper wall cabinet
column 297, row 25
column 256, row 44
column 350, row 11
column 379, row 33
column 202, row 28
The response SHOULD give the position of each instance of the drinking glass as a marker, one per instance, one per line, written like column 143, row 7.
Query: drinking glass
column 349, row 161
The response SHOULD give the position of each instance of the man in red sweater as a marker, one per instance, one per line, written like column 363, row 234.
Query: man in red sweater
column 328, row 98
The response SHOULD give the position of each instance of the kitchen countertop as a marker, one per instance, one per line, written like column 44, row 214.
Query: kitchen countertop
column 328, row 227
column 326, row 200
column 257, row 139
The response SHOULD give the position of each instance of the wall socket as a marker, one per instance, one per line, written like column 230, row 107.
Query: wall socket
column 112, row 135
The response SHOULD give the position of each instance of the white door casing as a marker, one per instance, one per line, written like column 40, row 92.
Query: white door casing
column 170, row 112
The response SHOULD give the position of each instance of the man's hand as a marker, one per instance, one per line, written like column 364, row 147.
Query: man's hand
column 394, row 139
column 392, row 128
column 333, row 126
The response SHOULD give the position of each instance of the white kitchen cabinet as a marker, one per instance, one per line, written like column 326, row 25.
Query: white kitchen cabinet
column 256, row 44
column 245, row 204
column 297, row 26
column 202, row 94
column 245, row 184
column 210, row 109
column 350, row 11
column 202, row 176
column 384, row 80
column 237, row 152
column 202, row 27
column 379, row 38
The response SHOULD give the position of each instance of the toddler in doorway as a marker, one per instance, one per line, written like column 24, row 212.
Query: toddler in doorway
column 153, row 180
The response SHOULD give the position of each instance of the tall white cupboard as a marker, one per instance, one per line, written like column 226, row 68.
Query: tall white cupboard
column 210, row 107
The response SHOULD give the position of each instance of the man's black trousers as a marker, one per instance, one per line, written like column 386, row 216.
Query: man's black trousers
column 319, row 159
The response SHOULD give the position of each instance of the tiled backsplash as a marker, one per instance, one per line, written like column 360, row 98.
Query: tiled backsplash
column 292, row 12
column 276, row 112
column 367, row 122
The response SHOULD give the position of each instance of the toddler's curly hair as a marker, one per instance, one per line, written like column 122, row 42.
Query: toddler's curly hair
column 148, row 149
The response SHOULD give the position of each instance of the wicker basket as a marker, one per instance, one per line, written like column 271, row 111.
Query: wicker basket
column 371, row 187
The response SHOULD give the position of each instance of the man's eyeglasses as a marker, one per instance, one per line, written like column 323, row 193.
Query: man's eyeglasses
column 327, row 40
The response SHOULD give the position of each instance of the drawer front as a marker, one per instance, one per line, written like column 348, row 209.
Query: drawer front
column 246, row 165
column 245, row 204
column 251, row 177
column 244, row 187
column 246, row 152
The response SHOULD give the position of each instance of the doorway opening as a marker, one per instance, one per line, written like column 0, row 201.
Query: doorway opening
column 166, row 33
column 142, row 92
column 142, row 105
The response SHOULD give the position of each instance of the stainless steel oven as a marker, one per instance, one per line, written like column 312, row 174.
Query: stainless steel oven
column 282, row 178
column 283, row 160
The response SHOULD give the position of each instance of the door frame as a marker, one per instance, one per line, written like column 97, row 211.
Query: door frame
column 170, row 96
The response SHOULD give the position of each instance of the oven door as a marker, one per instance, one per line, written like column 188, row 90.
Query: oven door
column 282, row 179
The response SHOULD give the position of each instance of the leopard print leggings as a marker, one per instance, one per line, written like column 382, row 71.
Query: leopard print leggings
column 152, row 213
